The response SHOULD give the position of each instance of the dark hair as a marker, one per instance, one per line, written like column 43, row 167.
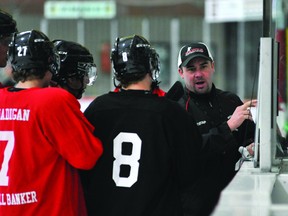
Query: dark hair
column 28, row 74
column 130, row 79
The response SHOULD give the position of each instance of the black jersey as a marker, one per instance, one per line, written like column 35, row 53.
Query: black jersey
column 150, row 154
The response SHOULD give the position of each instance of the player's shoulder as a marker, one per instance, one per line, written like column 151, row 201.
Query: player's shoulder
column 169, row 107
column 54, row 95
column 101, row 98
column 228, row 95
column 99, row 103
column 54, row 92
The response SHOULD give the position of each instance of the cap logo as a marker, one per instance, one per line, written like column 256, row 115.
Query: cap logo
column 190, row 51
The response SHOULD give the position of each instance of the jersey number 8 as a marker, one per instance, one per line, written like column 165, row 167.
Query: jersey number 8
column 130, row 160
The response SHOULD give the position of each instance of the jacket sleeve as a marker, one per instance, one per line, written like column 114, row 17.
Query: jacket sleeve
column 218, row 139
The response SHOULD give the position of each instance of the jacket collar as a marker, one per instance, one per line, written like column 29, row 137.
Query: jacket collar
column 209, row 95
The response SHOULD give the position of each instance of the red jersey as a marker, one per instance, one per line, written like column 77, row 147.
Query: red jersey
column 159, row 92
column 44, row 137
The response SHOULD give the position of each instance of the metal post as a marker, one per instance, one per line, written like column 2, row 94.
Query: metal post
column 174, row 44
column 81, row 31
column 44, row 26
column 146, row 29
column 113, row 35
column 267, row 17
column 241, row 73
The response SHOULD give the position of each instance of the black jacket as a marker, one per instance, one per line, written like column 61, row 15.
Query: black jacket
column 211, row 112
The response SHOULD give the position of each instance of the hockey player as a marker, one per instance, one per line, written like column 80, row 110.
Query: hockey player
column 77, row 67
column 44, row 137
column 7, row 27
column 150, row 157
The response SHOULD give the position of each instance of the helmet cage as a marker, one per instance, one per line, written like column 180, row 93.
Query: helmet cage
column 88, row 69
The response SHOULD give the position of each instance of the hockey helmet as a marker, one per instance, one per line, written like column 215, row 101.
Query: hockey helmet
column 133, row 55
column 33, row 49
column 76, row 61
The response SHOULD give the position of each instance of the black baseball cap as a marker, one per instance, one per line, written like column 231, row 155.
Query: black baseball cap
column 191, row 51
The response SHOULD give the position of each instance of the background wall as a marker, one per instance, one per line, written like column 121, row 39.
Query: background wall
column 167, row 25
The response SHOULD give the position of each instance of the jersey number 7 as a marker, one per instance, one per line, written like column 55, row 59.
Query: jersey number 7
column 7, row 137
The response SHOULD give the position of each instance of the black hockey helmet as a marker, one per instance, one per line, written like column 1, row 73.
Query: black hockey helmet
column 33, row 49
column 133, row 55
column 76, row 61
column 7, row 24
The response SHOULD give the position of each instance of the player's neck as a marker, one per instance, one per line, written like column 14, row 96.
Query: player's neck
column 34, row 82
column 144, row 84
column 31, row 84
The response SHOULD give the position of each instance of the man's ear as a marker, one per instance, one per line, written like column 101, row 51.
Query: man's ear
column 213, row 66
column 180, row 71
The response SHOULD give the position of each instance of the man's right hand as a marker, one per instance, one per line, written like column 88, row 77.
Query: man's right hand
column 240, row 114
